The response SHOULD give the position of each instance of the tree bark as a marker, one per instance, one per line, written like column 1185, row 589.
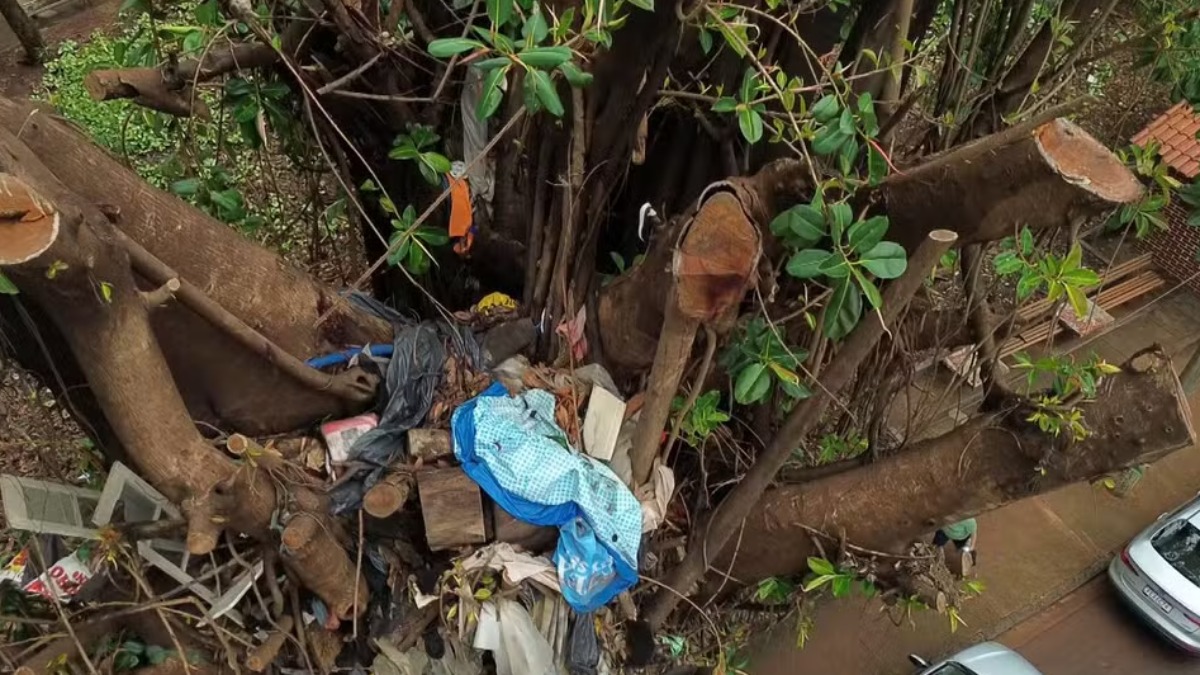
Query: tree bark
column 223, row 382
column 742, row 499
column 1140, row 415
column 25, row 29
column 94, row 300
column 1042, row 177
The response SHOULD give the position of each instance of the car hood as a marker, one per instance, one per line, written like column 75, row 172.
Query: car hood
column 990, row 658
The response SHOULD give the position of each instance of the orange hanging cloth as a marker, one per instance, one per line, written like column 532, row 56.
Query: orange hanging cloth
column 461, row 218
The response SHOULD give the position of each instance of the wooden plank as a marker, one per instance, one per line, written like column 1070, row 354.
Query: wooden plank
column 452, row 508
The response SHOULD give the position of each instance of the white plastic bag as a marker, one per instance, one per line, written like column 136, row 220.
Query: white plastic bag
column 523, row 650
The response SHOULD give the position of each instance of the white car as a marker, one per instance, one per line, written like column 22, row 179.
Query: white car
column 987, row 658
column 1158, row 576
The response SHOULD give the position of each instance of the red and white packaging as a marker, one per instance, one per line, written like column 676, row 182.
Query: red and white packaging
column 64, row 578
column 341, row 434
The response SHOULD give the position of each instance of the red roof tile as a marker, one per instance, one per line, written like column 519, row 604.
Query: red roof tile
column 1175, row 131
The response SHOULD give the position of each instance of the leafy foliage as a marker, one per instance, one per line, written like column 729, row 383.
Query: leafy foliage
column 702, row 420
column 1054, row 410
column 834, row 447
column 408, row 244
column 416, row 146
column 1058, row 276
column 758, row 362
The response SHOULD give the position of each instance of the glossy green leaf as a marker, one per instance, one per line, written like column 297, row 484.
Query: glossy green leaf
column 866, row 113
column 835, row 267
column 807, row 264
column 751, row 125
column 840, row 217
column 724, row 104
column 865, row 234
column 843, row 311
column 647, row 5
column 886, row 260
column 1073, row 259
column 828, row 140
column 499, row 11
column 1080, row 278
column 749, row 86
column 868, row 288
column 544, row 89
column 825, row 109
column 535, row 29
column 7, row 287
column 545, row 58
column 821, row 566
column 846, row 122
column 447, row 47
column 841, row 586
column 438, row 162
column 493, row 93
column 1078, row 300
column 1008, row 263
column 493, row 63
column 877, row 166
column 801, row 221
column 706, row 40
column 1026, row 241
column 1027, row 284
column 848, row 155
column 575, row 75
column 751, row 384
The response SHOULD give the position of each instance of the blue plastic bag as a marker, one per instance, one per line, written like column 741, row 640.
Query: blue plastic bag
column 514, row 450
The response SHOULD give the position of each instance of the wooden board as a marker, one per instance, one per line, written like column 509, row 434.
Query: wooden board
column 533, row 538
column 452, row 508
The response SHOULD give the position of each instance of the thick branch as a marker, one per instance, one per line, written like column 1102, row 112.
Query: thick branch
column 1140, row 416
column 802, row 420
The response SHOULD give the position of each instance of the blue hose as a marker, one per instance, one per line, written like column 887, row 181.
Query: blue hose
column 338, row 358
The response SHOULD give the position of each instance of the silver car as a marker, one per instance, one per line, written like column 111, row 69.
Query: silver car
column 1158, row 575
column 987, row 658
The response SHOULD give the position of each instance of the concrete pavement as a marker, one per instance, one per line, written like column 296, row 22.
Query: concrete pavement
column 1032, row 552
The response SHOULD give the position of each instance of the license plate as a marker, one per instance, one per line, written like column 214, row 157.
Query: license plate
column 1157, row 599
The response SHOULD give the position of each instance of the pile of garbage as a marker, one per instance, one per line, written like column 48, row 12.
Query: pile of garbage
column 488, row 502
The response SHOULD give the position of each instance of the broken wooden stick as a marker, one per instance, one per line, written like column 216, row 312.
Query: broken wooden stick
column 389, row 494
column 264, row 654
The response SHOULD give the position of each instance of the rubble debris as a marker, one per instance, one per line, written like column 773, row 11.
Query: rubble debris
column 427, row 446
column 48, row 508
column 340, row 436
column 452, row 508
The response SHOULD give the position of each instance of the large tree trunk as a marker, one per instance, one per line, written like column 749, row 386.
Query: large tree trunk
column 1140, row 415
column 25, row 29
column 95, row 302
column 223, row 382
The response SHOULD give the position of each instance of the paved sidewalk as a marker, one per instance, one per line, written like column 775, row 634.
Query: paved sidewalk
column 1031, row 552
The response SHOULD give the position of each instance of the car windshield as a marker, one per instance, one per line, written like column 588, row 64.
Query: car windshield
column 1179, row 544
column 953, row 668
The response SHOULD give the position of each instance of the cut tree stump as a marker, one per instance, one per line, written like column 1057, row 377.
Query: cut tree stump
column 388, row 495
column 452, row 508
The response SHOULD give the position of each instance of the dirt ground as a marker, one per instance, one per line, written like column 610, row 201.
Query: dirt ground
column 73, row 21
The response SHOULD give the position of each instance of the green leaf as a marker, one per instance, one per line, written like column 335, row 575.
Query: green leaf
column 1026, row 241
column 865, row 234
column 825, row 109
column 1008, row 263
column 493, row 63
column 398, row 246
column 821, row 566
column 156, row 655
column 545, row 58
column 819, row 582
column 835, row 267
column 807, row 264
column 841, row 586
column 840, row 217
column 229, row 202
column 493, row 93
column 846, row 122
column 725, row 104
column 751, row 384
column 193, row 42
column 499, row 11
column 543, row 88
column 432, row 235
column 1073, row 259
column 866, row 113
column 1028, row 283
column 877, row 166
column 437, row 162
column 188, row 187
column 706, row 41
column 886, row 260
column 749, row 86
column 208, row 14
column 7, row 287
column 868, row 288
column 1080, row 278
column 843, row 311
column 751, row 124
column 848, row 155
column 1078, row 300
column 404, row 151
column 106, row 291
column 576, row 76
column 828, row 140
column 535, row 29
column 647, row 5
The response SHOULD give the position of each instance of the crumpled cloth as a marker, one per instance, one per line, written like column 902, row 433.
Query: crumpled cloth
column 514, row 450
column 515, row 566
